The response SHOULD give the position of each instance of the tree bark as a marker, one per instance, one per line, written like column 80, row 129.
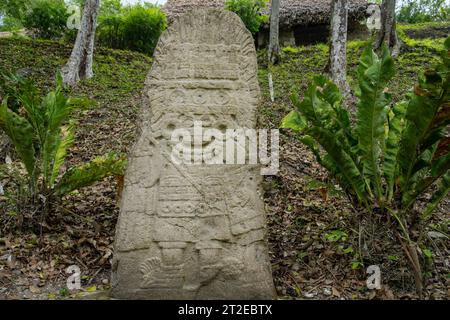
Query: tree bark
column 337, row 63
column 79, row 65
column 388, row 31
column 274, row 39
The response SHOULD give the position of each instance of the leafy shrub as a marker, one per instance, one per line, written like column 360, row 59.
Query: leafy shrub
column 250, row 12
column 392, row 156
column 418, row 11
column 42, row 134
column 47, row 18
column 136, row 28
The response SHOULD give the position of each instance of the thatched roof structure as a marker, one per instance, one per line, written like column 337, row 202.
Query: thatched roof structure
column 292, row 12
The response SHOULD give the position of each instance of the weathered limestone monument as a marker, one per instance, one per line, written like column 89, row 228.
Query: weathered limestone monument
column 194, row 231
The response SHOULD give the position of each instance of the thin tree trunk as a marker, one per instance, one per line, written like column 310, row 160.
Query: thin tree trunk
column 79, row 65
column 337, row 63
column 388, row 31
column 274, row 39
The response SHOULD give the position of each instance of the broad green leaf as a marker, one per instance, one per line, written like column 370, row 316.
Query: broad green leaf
column 314, row 147
column 294, row 121
column 440, row 194
column 342, row 160
column 374, row 75
column 21, row 133
column 86, row 175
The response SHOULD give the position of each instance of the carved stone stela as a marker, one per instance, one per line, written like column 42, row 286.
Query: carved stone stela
column 194, row 231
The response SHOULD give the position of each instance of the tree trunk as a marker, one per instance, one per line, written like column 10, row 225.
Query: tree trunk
column 79, row 65
column 388, row 31
column 337, row 63
column 274, row 39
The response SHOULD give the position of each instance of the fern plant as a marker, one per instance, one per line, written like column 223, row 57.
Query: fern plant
column 391, row 155
column 42, row 133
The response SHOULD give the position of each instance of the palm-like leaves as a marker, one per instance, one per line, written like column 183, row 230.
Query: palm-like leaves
column 54, row 142
column 424, row 156
column 63, row 143
column 404, row 143
column 396, row 125
column 42, row 138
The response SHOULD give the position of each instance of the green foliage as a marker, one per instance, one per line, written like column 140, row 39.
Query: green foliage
column 250, row 11
column 374, row 75
column 14, row 86
column 42, row 134
column 290, row 49
column 136, row 28
column 87, row 174
column 336, row 236
column 418, row 11
column 20, row 131
column 109, row 8
column 10, row 24
column 424, row 156
column 430, row 44
column 47, row 18
column 14, row 8
column 441, row 193
column 393, row 154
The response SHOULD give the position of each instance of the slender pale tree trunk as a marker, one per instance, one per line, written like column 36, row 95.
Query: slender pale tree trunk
column 274, row 38
column 388, row 31
column 79, row 65
column 337, row 63
column 274, row 42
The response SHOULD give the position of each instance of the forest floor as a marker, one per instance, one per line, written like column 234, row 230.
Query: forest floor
column 320, row 247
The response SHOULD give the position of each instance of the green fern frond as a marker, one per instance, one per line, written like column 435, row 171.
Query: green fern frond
column 21, row 133
column 57, row 110
column 396, row 125
column 294, row 121
column 343, row 161
column 96, row 170
column 440, row 194
column 426, row 123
